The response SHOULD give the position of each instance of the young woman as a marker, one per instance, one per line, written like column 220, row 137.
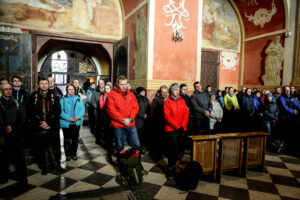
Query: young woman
column 176, row 119
column 72, row 111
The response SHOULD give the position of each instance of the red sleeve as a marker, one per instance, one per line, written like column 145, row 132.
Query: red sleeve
column 169, row 119
column 111, row 109
column 186, row 115
column 135, row 107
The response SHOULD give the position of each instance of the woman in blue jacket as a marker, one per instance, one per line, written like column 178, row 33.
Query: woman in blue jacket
column 72, row 111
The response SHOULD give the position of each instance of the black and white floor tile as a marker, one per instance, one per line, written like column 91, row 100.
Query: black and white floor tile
column 92, row 175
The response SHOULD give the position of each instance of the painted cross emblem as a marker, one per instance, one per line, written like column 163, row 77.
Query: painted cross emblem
column 176, row 14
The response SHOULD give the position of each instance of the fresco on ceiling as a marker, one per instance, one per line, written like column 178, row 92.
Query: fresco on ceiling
column 75, row 16
column 220, row 28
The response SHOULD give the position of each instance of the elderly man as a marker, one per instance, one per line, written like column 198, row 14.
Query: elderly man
column 122, row 108
column 95, row 104
column 53, row 88
column 12, row 119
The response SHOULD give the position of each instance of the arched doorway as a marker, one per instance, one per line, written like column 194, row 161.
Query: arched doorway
column 75, row 58
column 66, row 65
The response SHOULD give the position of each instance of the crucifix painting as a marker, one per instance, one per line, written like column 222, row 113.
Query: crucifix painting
column 16, row 57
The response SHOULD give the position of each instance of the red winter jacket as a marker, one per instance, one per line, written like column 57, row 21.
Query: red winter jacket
column 176, row 114
column 121, row 106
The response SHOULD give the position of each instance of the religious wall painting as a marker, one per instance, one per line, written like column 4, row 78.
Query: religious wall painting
column 16, row 57
column 75, row 16
column 220, row 28
column 229, row 60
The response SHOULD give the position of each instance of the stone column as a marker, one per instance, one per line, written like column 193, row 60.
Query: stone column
column 296, row 68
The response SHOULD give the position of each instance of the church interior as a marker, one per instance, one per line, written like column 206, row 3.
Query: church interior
column 221, row 43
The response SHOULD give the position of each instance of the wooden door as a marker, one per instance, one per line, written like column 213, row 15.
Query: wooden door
column 210, row 69
column 121, row 58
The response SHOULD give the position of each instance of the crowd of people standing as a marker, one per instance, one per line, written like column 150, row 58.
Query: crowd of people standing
column 117, row 114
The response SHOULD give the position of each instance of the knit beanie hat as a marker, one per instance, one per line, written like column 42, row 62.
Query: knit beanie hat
column 139, row 90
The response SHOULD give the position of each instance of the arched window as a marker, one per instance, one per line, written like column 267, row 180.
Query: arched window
column 59, row 63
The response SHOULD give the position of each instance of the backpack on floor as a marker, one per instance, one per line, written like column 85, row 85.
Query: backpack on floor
column 130, row 169
column 188, row 178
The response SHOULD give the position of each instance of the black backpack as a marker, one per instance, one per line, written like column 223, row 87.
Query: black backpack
column 188, row 178
column 130, row 169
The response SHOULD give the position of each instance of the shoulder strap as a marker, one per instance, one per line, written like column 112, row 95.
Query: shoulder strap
column 52, row 97
column 36, row 98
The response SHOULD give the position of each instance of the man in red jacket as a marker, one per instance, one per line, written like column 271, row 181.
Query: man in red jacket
column 122, row 108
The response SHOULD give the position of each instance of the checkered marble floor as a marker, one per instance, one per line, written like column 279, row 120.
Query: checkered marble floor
column 92, row 175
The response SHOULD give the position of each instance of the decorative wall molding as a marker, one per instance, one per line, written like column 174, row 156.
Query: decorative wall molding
column 176, row 14
column 229, row 60
column 155, row 84
column 10, row 29
column 142, row 4
column 266, row 35
column 262, row 16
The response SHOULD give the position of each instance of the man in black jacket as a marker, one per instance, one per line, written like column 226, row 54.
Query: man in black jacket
column 95, row 104
column 53, row 88
column 19, row 93
column 44, row 113
column 142, row 117
column 202, row 107
column 185, row 96
column 12, row 120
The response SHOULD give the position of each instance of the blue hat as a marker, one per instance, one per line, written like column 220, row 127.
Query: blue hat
column 269, row 94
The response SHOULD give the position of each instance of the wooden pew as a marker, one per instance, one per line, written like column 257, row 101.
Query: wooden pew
column 205, row 152
column 237, row 151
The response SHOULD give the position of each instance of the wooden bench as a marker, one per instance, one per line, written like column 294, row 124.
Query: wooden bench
column 205, row 152
column 237, row 151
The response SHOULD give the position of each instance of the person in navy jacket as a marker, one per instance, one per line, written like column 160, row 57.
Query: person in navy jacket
column 288, row 118
column 72, row 112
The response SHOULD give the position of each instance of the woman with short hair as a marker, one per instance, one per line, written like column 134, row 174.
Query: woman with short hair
column 176, row 119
